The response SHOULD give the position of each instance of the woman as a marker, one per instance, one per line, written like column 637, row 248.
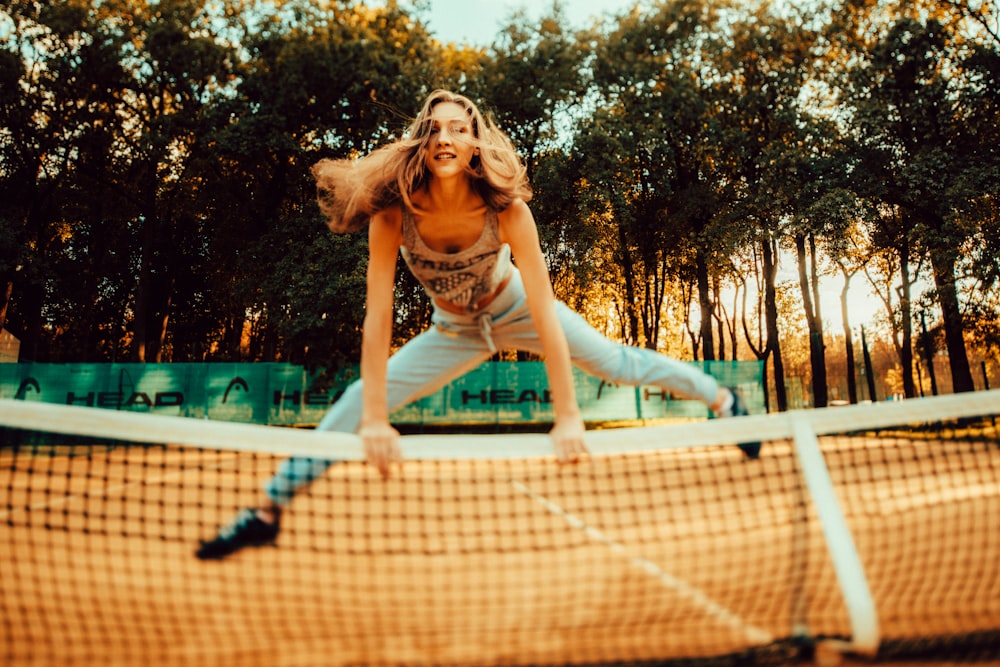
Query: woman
column 451, row 197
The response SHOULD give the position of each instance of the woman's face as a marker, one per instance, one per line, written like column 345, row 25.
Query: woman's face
column 451, row 144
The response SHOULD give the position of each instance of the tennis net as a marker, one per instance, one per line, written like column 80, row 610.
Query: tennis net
column 871, row 530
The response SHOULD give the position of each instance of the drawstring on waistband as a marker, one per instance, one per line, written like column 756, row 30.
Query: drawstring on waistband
column 486, row 330
column 485, row 322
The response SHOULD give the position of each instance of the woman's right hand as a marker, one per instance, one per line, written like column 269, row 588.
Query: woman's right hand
column 381, row 443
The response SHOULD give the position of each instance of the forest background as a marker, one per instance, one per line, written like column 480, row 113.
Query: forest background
column 702, row 170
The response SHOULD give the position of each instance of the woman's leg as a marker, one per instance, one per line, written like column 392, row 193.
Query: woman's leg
column 422, row 366
column 614, row 362
column 608, row 360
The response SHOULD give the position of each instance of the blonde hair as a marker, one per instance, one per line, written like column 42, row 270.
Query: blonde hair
column 349, row 192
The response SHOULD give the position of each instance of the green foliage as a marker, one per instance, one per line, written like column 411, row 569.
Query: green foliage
column 322, row 286
column 532, row 83
column 156, row 201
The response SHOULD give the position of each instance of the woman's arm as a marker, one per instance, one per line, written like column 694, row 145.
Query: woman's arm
column 517, row 228
column 380, row 439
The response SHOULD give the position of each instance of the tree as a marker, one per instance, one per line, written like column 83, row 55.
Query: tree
column 331, row 82
column 766, row 150
column 156, row 201
column 647, row 147
column 65, row 180
column 912, row 141
column 532, row 83
column 926, row 117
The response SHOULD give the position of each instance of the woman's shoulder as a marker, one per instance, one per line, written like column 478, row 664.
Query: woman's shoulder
column 391, row 215
column 387, row 225
column 516, row 222
column 516, row 210
column 516, row 206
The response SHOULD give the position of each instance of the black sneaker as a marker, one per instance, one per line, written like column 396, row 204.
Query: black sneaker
column 246, row 530
column 739, row 409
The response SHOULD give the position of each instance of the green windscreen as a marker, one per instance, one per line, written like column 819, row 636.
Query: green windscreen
column 289, row 395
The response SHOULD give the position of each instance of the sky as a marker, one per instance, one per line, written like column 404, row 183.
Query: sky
column 477, row 22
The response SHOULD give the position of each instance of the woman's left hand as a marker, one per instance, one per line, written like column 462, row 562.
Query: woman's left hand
column 567, row 438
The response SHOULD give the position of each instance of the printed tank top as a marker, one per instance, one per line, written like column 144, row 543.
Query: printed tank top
column 460, row 278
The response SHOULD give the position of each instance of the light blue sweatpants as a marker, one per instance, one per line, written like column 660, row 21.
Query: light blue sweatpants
column 458, row 343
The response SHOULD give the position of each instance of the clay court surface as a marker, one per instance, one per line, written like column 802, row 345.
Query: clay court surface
column 620, row 559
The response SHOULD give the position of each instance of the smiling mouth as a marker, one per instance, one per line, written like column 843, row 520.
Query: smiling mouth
column 445, row 156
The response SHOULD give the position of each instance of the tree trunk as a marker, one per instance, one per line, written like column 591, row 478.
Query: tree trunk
column 139, row 328
column 705, row 306
column 943, row 264
column 734, row 350
column 758, row 347
column 869, row 370
column 31, row 299
column 852, row 382
column 817, row 360
column 906, row 323
column 718, row 319
column 161, row 300
column 156, row 284
column 771, row 320
column 693, row 336
column 6, row 290
column 144, row 288
column 928, row 349
column 656, row 288
column 632, row 335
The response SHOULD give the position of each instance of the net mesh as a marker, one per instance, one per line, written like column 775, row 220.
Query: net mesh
column 667, row 544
